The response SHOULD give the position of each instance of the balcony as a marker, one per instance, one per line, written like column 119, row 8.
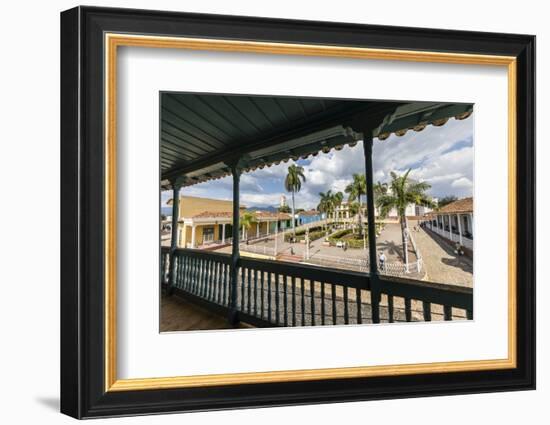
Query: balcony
column 262, row 292
column 270, row 293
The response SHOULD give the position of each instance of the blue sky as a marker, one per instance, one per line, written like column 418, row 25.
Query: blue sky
column 442, row 156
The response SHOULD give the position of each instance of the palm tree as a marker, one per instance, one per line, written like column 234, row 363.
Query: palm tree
column 338, row 197
column 355, row 209
column 247, row 220
column 293, row 184
column 326, row 204
column 356, row 189
column 379, row 189
column 402, row 192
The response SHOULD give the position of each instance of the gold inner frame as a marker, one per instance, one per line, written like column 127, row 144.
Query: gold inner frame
column 113, row 41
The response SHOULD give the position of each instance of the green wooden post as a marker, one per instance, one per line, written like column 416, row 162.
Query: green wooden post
column 374, row 278
column 174, row 238
column 235, row 255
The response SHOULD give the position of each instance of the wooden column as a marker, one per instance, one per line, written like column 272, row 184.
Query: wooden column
column 235, row 255
column 193, row 235
column 374, row 278
column 174, row 238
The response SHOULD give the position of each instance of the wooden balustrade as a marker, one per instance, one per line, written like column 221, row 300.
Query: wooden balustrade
column 274, row 293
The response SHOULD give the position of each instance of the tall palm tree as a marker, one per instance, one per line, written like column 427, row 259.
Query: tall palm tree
column 326, row 203
column 355, row 209
column 338, row 197
column 379, row 189
column 403, row 191
column 355, row 190
column 293, row 184
column 247, row 220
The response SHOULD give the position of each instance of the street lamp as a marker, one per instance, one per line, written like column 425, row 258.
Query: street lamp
column 276, row 236
column 307, row 243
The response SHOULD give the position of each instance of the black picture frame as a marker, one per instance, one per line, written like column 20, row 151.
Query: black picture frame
column 83, row 392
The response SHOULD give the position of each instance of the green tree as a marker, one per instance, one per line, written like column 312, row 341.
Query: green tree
column 446, row 200
column 338, row 198
column 284, row 209
column 293, row 184
column 403, row 191
column 326, row 204
column 355, row 190
column 247, row 220
column 355, row 210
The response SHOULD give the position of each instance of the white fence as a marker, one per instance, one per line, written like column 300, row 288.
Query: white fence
column 258, row 249
column 418, row 263
column 362, row 264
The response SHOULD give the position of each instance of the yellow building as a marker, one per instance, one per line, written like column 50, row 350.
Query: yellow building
column 206, row 222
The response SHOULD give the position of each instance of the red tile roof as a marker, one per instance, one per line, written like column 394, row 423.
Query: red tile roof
column 211, row 214
column 269, row 214
column 229, row 214
column 465, row 205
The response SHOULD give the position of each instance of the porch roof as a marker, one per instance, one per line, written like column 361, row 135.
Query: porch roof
column 202, row 134
column 460, row 206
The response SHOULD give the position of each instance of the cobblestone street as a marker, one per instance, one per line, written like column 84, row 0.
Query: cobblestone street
column 442, row 265
column 390, row 242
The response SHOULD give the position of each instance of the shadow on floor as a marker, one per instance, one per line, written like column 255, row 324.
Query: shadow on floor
column 177, row 314
column 49, row 402
column 390, row 247
column 459, row 261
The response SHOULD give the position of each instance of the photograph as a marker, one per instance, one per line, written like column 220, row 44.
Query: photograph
column 268, row 233
column 263, row 211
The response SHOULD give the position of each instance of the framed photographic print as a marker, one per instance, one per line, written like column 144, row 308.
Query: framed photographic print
column 261, row 212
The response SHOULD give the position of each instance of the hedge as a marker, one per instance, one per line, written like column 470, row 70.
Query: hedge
column 352, row 243
column 340, row 233
column 301, row 234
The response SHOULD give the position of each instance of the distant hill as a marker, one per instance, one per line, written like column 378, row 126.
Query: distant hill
column 269, row 209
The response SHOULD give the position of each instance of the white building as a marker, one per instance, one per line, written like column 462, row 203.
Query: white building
column 454, row 222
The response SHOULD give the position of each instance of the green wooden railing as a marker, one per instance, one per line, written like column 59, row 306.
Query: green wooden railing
column 274, row 293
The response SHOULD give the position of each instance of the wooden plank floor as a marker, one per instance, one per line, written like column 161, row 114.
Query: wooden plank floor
column 177, row 314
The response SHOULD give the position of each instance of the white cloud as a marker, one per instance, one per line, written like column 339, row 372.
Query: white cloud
column 437, row 155
column 441, row 156
column 260, row 199
column 462, row 183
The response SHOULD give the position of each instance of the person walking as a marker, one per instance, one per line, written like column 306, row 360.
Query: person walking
column 382, row 261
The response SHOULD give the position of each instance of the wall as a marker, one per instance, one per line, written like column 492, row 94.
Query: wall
column 191, row 206
column 29, row 166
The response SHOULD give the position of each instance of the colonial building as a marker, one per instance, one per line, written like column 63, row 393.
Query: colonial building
column 205, row 222
column 454, row 222
column 342, row 211
column 307, row 217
